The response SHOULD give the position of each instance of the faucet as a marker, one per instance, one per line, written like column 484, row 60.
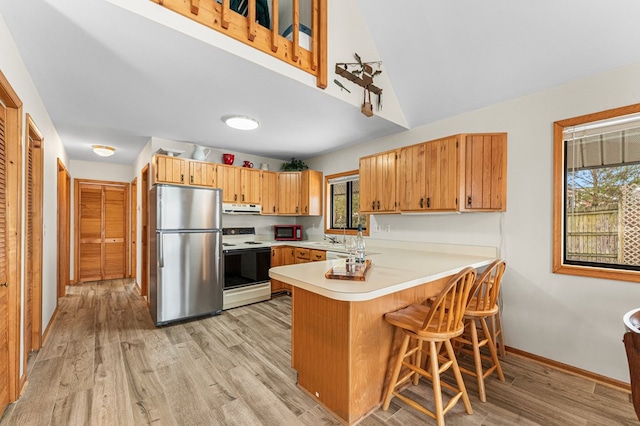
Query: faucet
column 332, row 239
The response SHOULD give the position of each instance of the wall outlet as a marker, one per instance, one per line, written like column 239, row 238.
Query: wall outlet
column 376, row 228
column 386, row 227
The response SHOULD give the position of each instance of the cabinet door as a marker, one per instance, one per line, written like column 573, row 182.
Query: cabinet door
column 311, row 193
column 412, row 170
column 485, row 172
column 386, row 171
column 169, row 169
column 251, row 185
column 368, row 184
column 289, row 193
column 202, row 174
column 228, row 178
column 269, row 193
column 276, row 260
column 318, row 255
column 378, row 183
column 442, row 174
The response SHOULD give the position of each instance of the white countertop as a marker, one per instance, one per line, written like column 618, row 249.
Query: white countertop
column 392, row 269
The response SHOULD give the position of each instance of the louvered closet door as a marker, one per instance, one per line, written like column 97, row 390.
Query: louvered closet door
column 90, row 228
column 4, row 312
column 28, row 279
column 115, row 229
column 102, row 229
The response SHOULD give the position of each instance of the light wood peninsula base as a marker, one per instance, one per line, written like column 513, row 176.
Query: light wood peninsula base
column 341, row 349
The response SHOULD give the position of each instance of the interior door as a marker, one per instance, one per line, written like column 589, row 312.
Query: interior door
column 102, row 241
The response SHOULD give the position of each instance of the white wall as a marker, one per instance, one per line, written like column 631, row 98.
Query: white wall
column 14, row 70
column 573, row 320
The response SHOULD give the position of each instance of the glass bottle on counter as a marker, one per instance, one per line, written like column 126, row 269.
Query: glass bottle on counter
column 360, row 246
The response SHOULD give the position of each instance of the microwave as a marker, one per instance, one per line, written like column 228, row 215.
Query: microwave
column 287, row 232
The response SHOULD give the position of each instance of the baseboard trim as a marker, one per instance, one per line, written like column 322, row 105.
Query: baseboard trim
column 48, row 328
column 571, row 369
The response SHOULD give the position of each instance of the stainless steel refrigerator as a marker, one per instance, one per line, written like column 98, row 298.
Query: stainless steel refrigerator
column 186, row 269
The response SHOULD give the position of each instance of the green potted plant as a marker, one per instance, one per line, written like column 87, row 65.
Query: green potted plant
column 293, row 165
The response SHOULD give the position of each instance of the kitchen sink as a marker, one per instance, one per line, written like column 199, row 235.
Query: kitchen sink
column 326, row 245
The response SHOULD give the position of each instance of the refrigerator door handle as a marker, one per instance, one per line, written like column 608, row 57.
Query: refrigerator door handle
column 160, row 250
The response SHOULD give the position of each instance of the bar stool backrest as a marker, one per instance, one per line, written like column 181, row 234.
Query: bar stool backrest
column 447, row 310
column 486, row 289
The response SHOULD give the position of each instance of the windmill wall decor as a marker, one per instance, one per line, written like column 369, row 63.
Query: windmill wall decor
column 362, row 74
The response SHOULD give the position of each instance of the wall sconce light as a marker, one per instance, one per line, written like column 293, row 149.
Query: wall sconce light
column 103, row 150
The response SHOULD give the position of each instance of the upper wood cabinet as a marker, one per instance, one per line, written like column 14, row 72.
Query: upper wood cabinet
column 168, row 169
column 485, row 172
column 300, row 193
column 183, row 171
column 464, row 172
column 269, row 193
column 250, row 185
column 239, row 184
column 311, row 193
column 428, row 175
column 289, row 193
column 378, row 183
column 202, row 174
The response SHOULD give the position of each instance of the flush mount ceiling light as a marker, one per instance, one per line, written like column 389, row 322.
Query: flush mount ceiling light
column 103, row 150
column 241, row 122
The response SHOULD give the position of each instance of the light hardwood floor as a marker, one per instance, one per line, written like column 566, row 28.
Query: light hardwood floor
column 104, row 363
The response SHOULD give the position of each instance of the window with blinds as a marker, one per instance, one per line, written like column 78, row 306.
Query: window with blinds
column 344, row 202
column 602, row 193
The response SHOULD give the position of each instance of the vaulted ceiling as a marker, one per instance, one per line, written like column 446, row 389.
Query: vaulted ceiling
column 108, row 76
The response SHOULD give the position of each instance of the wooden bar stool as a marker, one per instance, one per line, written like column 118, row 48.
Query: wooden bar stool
column 482, row 305
column 435, row 324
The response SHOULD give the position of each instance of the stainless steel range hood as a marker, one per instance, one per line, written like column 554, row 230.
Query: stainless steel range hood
column 233, row 208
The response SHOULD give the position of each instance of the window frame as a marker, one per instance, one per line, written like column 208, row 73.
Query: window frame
column 329, row 207
column 559, row 267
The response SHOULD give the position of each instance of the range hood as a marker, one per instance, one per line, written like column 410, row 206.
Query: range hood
column 233, row 208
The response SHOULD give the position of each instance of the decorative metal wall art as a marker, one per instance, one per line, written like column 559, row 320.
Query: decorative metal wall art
column 362, row 74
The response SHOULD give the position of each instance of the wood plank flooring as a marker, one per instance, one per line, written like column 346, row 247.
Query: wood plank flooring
column 104, row 363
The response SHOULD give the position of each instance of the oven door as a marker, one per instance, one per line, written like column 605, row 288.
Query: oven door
column 246, row 267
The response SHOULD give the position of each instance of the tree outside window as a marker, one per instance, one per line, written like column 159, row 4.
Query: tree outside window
column 343, row 202
column 597, row 195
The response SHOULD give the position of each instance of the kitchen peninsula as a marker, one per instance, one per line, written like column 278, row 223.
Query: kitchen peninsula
column 340, row 343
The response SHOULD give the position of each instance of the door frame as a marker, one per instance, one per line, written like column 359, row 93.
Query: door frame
column 133, row 226
column 35, row 146
column 64, row 229
column 144, row 225
column 14, row 152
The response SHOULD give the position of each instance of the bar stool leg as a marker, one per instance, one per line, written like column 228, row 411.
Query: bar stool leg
column 396, row 372
column 477, row 358
column 458, row 375
column 435, row 378
column 492, row 349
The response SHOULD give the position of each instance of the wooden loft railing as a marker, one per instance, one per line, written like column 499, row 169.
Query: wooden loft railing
column 222, row 18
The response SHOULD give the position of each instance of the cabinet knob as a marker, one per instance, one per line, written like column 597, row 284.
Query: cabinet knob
column 182, row 178
column 235, row 197
column 274, row 209
column 421, row 202
column 469, row 201
column 373, row 205
column 191, row 178
column 428, row 202
column 378, row 204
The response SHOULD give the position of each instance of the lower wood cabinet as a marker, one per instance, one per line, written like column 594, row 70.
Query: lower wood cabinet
column 288, row 255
